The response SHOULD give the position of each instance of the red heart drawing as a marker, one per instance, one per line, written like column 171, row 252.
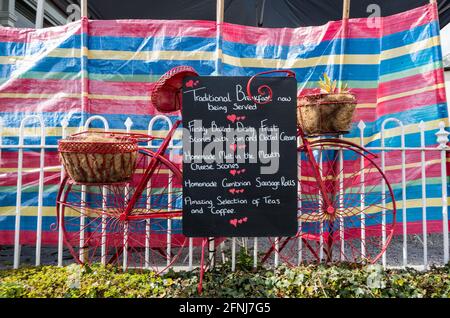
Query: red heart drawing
column 243, row 170
column 232, row 118
column 233, row 147
column 190, row 83
column 233, row 172
column 234, row 222
column 242, row 118
column 240, row 221
column 238, row 172
column 196, row 83
column 232, row 191
column 245, row 219
column 241, row 191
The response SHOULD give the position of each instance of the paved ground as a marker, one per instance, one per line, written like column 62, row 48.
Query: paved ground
column 394, row 254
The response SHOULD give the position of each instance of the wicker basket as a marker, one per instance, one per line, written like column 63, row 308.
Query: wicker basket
column 323, row 114
column 98, row 158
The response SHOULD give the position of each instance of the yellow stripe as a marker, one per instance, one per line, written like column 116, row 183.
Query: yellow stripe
column 410, row 49
column 393, row 132
column 369, row 59
column 51, row 211
column 116, row 97
column 39, row 96
column 298, row 63
column 414, row 203
column 368, row 105
column 57, row 52
column 25, row 170
column 411, row 92
column 57, row 131
column 150, row 55
column 387, row 168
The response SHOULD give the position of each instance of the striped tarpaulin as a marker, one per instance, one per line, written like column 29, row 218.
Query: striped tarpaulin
column 107, row 68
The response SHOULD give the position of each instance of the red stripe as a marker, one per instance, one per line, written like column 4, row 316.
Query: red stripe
column 50, row 238
column 406, row 20
column 30, row 180
column 55, row 104
column 23, row 35
column 120, row 88
column 116, row 106
column 41, row 86
column 410, row 102
column 358, row 28
column 153, row 28
column 412, row 82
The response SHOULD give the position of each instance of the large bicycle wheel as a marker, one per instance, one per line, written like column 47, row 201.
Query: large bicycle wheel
column 357, row 225
column 94, row 231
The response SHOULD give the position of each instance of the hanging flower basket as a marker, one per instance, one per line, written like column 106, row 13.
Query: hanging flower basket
column 328, row 113
column 322, row 114
column 98, row 158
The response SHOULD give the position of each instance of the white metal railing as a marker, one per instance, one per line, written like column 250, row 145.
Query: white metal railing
column 257, row 244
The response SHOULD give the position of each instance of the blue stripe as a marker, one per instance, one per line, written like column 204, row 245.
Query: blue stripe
column 132, row 44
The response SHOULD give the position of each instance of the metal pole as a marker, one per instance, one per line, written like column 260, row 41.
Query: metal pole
column 84, row 58
column 345, row 17
column 40, row 10
column 84, row 8
column 220, row 12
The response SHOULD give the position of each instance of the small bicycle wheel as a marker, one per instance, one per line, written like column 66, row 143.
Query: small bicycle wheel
column 359, row 224
column 95, row 232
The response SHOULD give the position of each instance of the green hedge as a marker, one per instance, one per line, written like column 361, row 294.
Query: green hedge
column 304, row 281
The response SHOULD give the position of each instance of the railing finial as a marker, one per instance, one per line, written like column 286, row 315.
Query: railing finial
column 442, row 136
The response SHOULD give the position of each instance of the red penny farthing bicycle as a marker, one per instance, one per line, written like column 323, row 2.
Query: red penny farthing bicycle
column 346, row 206
column 121, row 203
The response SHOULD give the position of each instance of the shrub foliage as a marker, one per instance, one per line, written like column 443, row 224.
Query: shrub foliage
column 304, row 281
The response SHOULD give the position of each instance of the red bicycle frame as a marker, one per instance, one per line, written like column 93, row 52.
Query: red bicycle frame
column 148, row 174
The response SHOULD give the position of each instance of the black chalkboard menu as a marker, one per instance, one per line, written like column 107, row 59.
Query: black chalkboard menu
column 239, row 157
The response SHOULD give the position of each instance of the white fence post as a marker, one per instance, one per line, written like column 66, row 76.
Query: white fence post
column 1, row 139
column 424, row 194
column 383, row 167
column 442, row 139
column 40, row 194
column 19, row 190
column 362, row 127
column 64, row 125
column 83, row 188
column 169, row 221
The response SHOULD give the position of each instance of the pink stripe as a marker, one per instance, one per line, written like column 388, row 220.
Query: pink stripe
column 410, row 102
column 30, row 180
column 410, row 83
column 51, row 238
column 22, row 35
column 54, row 104
column 358, row 28
column 30, row 159
column 120, row 88
column 115, row 106
column 41, row 86
column 152, row 28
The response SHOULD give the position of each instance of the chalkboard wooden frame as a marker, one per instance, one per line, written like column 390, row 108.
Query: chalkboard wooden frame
column 220, row 199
